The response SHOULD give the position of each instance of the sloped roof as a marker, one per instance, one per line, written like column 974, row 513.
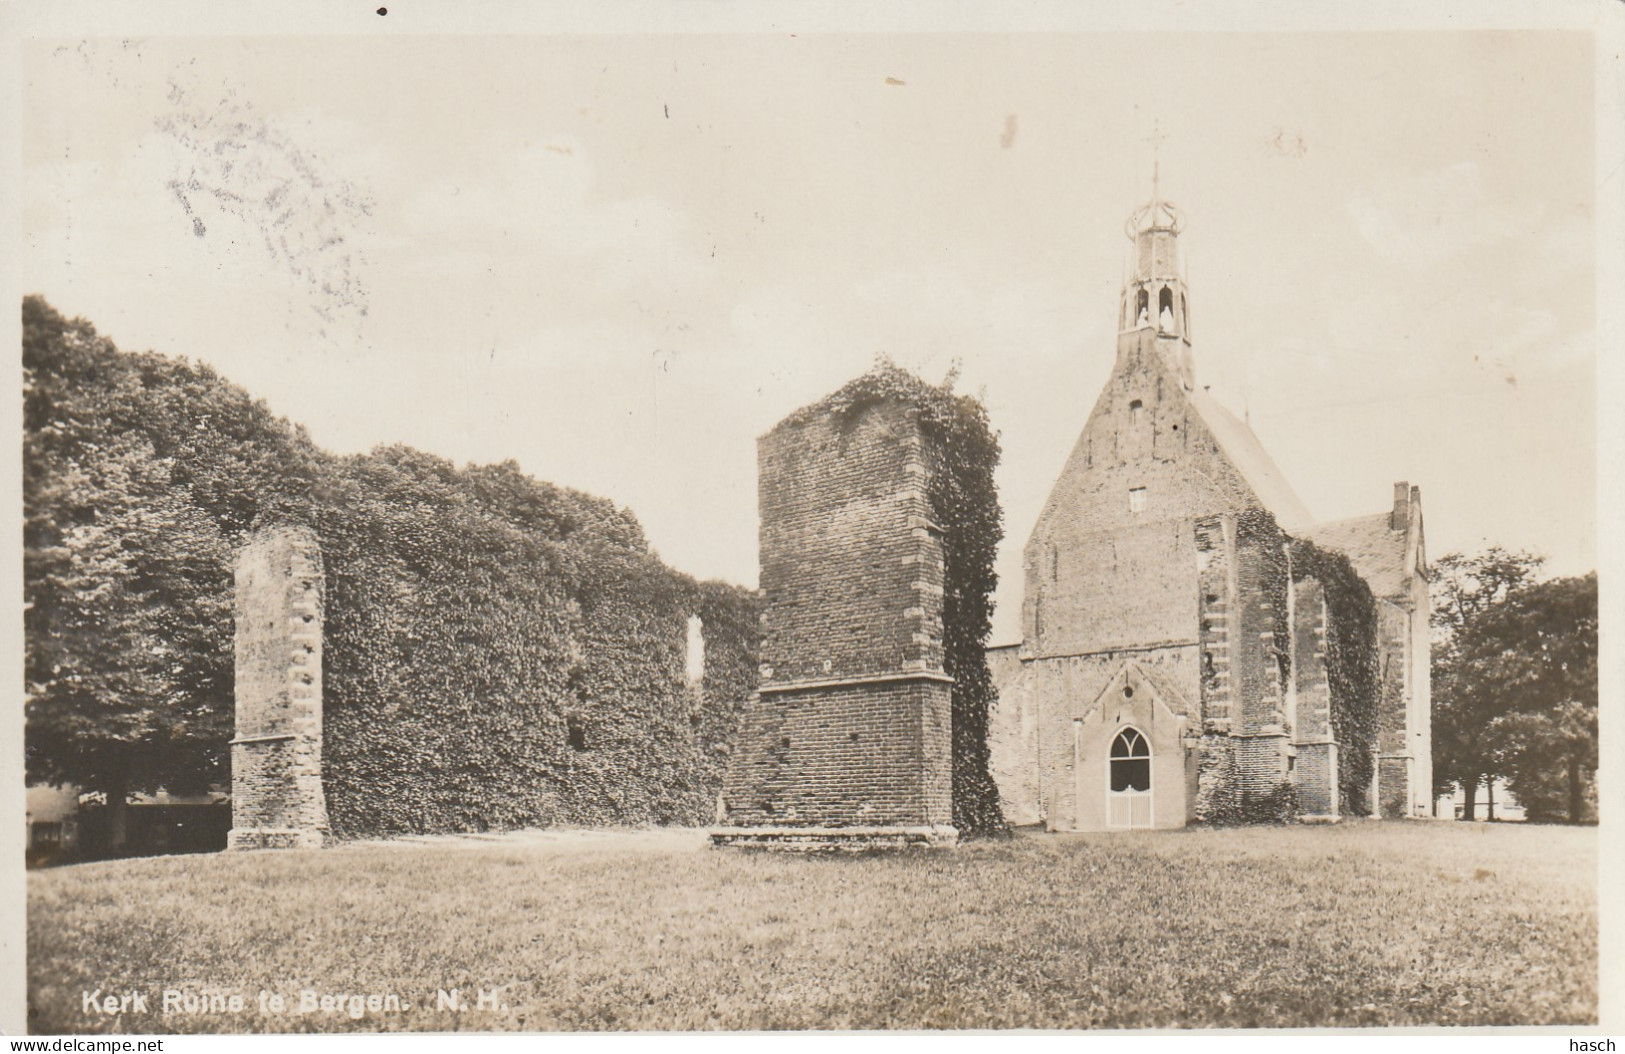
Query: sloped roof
column 1254, row 463
column 1171, row 695
column 1376, row 551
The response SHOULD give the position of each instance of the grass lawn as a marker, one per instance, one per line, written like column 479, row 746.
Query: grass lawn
column 1360, row 924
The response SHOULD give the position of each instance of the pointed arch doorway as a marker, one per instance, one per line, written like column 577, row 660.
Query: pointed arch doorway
column 1133, row 764
column 1128, row 780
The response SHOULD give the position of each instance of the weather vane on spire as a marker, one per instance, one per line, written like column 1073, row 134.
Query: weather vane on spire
column 1155, row 214
column 1155, row 139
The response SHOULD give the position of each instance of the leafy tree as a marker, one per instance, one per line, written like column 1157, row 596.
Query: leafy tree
column 1536, row 654
column 140, row 475
column 472, row 612
column 1465, row 588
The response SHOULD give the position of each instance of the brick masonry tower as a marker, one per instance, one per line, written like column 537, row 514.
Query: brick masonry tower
column 847, row 743
column 276, row 755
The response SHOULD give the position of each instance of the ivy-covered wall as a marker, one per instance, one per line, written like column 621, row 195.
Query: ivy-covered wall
column 1351, row 667
column 502, row 653
column 1243, row 776
column 498, row 651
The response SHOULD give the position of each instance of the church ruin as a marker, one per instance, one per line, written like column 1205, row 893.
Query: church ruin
column 1194, row 646
column 848, row 741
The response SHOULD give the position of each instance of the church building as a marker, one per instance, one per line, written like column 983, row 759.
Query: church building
column 1194, row 646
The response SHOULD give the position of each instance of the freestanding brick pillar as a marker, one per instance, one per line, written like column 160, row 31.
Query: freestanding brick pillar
column 847, row 743
column 276, row 756
column 1315, row 773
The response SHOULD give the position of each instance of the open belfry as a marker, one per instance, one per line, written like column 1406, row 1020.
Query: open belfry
column 847, row 744
column 1194, row 647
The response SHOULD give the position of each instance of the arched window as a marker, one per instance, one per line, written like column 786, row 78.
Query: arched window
column 1130, row 762
column 1165, row 310
column 1142, row 304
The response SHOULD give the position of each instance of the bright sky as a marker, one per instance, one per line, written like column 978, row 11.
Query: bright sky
column 619, row 259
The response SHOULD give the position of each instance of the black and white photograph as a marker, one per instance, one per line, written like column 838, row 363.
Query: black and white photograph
column 814, row 518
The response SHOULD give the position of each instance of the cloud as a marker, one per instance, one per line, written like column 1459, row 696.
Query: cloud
column 1430, row 217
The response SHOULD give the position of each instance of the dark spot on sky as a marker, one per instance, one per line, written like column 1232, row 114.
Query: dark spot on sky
column 383, row 10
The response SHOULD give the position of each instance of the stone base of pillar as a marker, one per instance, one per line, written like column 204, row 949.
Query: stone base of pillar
column 1316, row 779
column 275, row 838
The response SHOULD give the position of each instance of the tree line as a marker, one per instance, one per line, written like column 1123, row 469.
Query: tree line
column 1515, row 684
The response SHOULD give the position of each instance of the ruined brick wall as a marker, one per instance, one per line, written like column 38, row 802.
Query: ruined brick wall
column 1246, row 640
column 472, row 674
column 1348, row 653
column 850, row 561
column 852, row 724
column 1315, row 766
column 1258, row 661
column 1420, row 670
column 276, row 754
column 1219, row 618
column 840, row 756
column 1393, row 772
column 1013, row 741
column 502, row 654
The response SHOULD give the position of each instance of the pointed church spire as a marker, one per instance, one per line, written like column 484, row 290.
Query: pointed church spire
column 1155, row 295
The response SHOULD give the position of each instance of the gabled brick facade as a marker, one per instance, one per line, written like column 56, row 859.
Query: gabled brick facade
column 1163, row 553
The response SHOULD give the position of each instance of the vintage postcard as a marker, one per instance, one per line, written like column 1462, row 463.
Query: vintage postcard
column 708, row 518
